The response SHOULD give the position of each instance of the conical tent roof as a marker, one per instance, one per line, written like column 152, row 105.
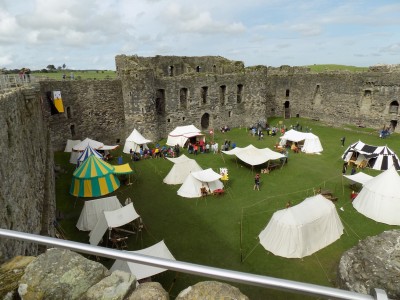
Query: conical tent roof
column 87, row 142
column 93, row 178
column 180, row 170
column 88, row 152
column 253, row 155
column 379, row 198
column 134, row 141
column 191, row 187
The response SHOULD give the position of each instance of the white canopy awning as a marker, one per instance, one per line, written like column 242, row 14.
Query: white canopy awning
column 254, row 156
column 92, row 143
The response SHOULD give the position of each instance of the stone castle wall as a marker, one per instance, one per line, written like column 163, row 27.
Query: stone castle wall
column 93, row 109
column 27, row 193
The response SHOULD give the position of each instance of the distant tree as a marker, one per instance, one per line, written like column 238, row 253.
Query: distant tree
column 44, row 71
column 59, row 68
column 51, row 67
column 63, row 66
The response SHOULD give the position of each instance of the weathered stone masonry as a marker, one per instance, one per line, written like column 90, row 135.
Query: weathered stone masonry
column 27, row 193
column 155, row 95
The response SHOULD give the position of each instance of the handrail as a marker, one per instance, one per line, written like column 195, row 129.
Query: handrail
column 217, row 273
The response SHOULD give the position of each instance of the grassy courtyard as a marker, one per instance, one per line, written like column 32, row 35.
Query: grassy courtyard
column 222, row 231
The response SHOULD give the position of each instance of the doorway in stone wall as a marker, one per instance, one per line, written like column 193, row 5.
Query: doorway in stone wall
column 393, row 125
column 286, row 110
column 205, row 121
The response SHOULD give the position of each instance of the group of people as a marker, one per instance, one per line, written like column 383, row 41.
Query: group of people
column 156, row 152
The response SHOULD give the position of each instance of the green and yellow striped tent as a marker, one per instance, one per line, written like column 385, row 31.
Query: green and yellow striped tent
column 93, row 178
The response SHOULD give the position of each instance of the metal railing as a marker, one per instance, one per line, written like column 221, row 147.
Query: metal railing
column 13, row 81
column 184, row 267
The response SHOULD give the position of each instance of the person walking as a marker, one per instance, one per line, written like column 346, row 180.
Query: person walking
column 342, row 140
column 257, row 182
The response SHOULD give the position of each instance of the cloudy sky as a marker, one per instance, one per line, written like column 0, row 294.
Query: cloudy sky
column 87, row 34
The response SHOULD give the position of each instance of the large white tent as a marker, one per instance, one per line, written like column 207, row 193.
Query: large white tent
column 303, row 229
column 181, row 134
column 182, row 167
column 112, row 219
column 379, row 199
column 134, row 141
column 311, row 144
column 92, row 209
column 254, row 156
column 159, row 250
column 191, row 187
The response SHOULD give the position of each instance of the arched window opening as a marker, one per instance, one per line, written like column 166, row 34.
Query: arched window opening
column 204, row 94
column 69, row 112
column 222, row 94
column 171, row 70
column 286, row 112
column 394, row 107
column 183, row 98
column 239, row 93
column 160, row 102
column 367, row 93
column 205, row 121
column 72, row 129
column 198, row 69
column 287, row 93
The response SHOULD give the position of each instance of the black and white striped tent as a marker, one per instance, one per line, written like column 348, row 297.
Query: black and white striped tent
column 379, row 157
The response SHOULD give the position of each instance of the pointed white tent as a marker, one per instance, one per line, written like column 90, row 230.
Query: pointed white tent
column 93, row 209
column 312, row 144
column 180, row 170
column 254, row 156
column 379, row 198
column 134, row 141
column 112, row 219
column 303, row 229
column 178, row 159
column 191, row 187
column 140, row 271
column 181, row 134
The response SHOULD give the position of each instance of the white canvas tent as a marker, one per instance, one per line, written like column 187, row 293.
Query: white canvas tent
column 254, row 156
column 70, row 144
column 180, row 170
column 379, row 199
column 312, row 144
column 359, row 177
column 134, row 141
column 196, row 180
column 112, row 219
column 92, row 143
column 159, row 250
column 93, row 209
column 303, row 229
column 181, row 134
column 178, row 159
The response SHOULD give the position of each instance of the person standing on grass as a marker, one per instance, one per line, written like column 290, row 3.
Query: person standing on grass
column 342, row 140
column 257, row 182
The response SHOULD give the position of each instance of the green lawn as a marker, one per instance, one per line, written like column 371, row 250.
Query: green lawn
column 332, row 67
column 78, row 74
column 222, row 231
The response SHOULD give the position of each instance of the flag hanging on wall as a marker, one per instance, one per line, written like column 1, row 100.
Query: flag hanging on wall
column 58, row 103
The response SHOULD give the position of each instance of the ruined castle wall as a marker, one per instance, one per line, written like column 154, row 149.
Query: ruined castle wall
column 27, row 193
column 93, row 109
column 337, row 98
column 219, row 93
